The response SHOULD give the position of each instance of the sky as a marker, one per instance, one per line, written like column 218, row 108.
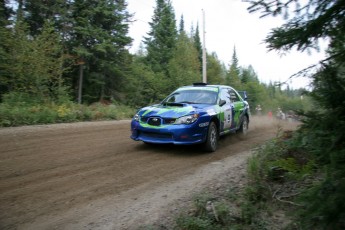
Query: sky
column 227, row 25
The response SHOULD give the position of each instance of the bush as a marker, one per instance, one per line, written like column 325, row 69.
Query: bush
column 16, row 113
column 194, row 223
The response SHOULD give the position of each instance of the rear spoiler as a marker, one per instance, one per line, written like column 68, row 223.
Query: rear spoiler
column 243, row 94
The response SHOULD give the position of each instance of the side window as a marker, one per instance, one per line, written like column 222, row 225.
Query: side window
column 234, row 96
column 225, row 95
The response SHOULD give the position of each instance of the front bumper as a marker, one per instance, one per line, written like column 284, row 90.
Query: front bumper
column 169, row 134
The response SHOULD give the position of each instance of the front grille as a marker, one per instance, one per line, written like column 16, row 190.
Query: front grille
column 144, row 119
column 154, row 121
column 169, row 120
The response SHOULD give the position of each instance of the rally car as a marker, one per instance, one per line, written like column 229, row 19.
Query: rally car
column 196, row 114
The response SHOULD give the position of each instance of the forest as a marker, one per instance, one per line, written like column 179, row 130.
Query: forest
column 69, row 60
column 60, row 57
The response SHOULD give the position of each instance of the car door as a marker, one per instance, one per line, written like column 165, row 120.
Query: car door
column 238, row 107
column 226, row 110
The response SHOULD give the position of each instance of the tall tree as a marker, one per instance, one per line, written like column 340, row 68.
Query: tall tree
column 95, row 34
column 197, row 45
column 323, row 130
column 6, row 39
column 181, row 27
column 248, row 75
column 37, row 12
column 233, row 76
column 161, row 39
column 215, row 70
column 99, row 38
column 184, row 66
column 35, row 64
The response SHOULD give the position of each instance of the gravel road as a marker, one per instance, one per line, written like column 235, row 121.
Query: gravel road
column 91, row 175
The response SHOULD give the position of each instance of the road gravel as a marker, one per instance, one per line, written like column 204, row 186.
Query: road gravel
column 91, row 175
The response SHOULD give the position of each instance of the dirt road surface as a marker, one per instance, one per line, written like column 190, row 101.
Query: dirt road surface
column 91, row 175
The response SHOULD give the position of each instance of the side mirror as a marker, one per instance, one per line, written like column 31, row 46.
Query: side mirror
column 222, row 102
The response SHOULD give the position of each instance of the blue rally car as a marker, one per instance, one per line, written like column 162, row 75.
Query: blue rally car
column 196, row 114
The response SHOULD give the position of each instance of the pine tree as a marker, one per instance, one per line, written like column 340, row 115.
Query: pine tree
column 322, row 133
column 181, row 27
column 248, row 75
column 197, row 45
column 233, row 76
column 95, row 34
column 35, row 64
column 215, row 70
column 38, row 12
column 184, row 66
column 98, row 39
column 161, row 39
column 6, row 39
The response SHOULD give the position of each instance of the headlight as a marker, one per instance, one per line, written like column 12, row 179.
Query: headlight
column 136, row 117
column 187, row 119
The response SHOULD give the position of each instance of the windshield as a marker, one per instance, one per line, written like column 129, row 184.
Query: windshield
column 193, row 97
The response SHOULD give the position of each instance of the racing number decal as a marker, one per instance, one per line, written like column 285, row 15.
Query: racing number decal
column 227, row 108
column 227, row 118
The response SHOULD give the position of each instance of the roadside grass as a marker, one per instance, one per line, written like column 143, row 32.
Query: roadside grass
column 32, row 114
column 277, row 173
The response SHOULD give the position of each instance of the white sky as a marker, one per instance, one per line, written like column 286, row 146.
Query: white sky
column 228, row 24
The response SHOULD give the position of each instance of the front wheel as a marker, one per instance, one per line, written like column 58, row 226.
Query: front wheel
column 212, row 138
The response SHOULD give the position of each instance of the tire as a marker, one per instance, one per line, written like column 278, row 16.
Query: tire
column 212, row 138
column 244, row 126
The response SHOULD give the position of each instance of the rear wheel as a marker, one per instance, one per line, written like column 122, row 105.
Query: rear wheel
column 244, row 126
column 212, row 138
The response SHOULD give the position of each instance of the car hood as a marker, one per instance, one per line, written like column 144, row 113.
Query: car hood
column 173, row 111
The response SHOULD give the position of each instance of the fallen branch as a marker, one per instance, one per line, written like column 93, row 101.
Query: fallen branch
column 289, row 202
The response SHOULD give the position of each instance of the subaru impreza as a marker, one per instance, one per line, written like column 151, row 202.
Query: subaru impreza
column 196, row 114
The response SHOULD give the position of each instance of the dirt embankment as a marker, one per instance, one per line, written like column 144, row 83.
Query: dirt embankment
column 91, row 175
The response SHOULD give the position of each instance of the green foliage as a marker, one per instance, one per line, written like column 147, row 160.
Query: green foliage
column 197, row 45
column 322, row 134
column 93, row 34
column 146, row 87
column 250, row 215
column 162, row 37
column 328, row 214
column 291, row 168
column 99, row 37
column 215, row 70
column 22, row 110
column 184, row 66
column 34, row 65
column 280, row 159
column 312, row 20
column 200, row 203
column 233, row 76
column 193, row 223
column 54, row 43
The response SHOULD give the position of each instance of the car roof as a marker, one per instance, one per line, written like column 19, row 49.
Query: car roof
column 205, row 86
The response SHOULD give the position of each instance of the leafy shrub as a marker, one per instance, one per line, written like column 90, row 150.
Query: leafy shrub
column 194, row 223
column 15, row 113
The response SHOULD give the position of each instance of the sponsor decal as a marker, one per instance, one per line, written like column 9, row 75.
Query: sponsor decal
column 204, row 124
